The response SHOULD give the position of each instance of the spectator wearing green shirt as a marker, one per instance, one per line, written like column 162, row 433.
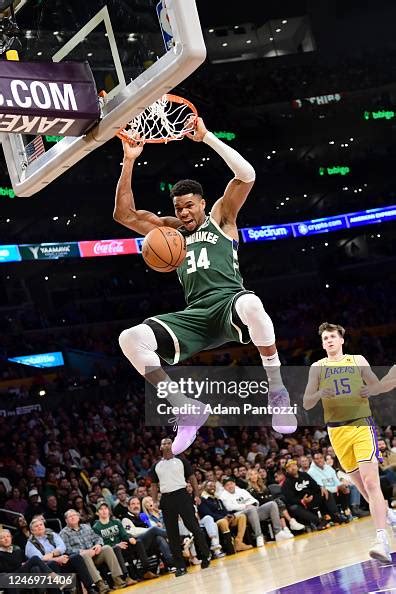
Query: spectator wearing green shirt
column 124, row 546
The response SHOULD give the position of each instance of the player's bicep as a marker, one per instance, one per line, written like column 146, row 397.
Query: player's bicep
column 141, row 221
column 173, row 222
column 234, row 198
column 149, row 221
column 368, row 375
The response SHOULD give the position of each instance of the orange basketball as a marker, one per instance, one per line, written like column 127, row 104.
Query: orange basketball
column 164, row 249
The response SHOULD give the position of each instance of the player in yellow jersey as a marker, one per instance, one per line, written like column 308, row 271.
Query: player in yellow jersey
column 343, row 383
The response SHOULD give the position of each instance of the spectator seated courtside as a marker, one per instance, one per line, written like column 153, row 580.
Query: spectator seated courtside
column 331, row 486
column 259, row 490
column 49, row 546
column 237, row 501
column 152, row 537
column 81, row 538
column 209, row 526
column 125, row 547
column 211, row 505
column 12, row 558
column 304, row 499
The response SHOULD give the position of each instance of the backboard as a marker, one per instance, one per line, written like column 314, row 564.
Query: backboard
column 138, row 50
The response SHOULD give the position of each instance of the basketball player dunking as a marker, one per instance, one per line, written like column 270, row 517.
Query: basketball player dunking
column 343, row 383
column 219, row 309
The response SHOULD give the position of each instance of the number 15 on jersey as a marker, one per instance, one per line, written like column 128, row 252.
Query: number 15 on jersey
column 342, row 386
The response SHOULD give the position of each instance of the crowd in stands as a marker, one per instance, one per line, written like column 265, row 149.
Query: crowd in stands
column 88, row 463
column 315, row 75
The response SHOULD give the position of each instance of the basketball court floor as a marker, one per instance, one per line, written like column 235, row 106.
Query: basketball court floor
column 334, row 561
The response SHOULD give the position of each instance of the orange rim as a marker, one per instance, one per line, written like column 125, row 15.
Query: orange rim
column 174, row 99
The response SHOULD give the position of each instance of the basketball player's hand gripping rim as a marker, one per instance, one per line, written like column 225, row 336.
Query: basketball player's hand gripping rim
column 200, row 129
column 131, row 152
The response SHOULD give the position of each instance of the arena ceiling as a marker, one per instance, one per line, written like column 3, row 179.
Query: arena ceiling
column 46, row 14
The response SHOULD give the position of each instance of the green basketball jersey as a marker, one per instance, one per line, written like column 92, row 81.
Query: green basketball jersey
column 211, row 264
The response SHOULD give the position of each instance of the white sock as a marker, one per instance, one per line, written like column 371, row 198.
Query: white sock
column 261, row 329
column 272, row 367
column 382, row 535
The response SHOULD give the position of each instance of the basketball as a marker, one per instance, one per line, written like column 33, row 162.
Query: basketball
column 164, row 249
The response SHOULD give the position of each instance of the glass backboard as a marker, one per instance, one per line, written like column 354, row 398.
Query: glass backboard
column 137, row 49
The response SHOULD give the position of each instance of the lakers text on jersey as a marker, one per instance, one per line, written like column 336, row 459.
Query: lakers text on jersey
column 345, row 379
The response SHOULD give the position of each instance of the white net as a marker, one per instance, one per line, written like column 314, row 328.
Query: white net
column 169, row 118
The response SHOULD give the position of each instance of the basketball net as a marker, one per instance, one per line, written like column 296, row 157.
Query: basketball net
column 169, row 118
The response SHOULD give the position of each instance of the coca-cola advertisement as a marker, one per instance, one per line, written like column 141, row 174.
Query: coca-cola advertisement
column 108, row 247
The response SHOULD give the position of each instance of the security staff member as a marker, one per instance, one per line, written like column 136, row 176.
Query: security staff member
column 171, row 474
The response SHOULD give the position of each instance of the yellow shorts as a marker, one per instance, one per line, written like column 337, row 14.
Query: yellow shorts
column 354, row 444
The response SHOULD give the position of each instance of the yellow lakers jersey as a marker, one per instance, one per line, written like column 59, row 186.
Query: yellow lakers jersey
column 345, row 378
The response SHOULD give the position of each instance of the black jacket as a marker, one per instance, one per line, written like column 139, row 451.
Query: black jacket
column 212, row 506
column 294, row 489
column 262, row 497
column 137, row 521
column 10, row 562
column 120, row 511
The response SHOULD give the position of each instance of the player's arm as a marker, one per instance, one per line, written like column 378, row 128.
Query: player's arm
column 125, row 212
column 376, row 386
column 373, row 385
column 226, row 208
column 312, row 393
column 388, row 382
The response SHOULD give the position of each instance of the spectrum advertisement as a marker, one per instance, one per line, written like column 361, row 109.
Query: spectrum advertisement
column 323, row 225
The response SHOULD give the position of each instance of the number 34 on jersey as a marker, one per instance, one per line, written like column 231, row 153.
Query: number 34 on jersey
column 211, row 263
column 193, row 262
